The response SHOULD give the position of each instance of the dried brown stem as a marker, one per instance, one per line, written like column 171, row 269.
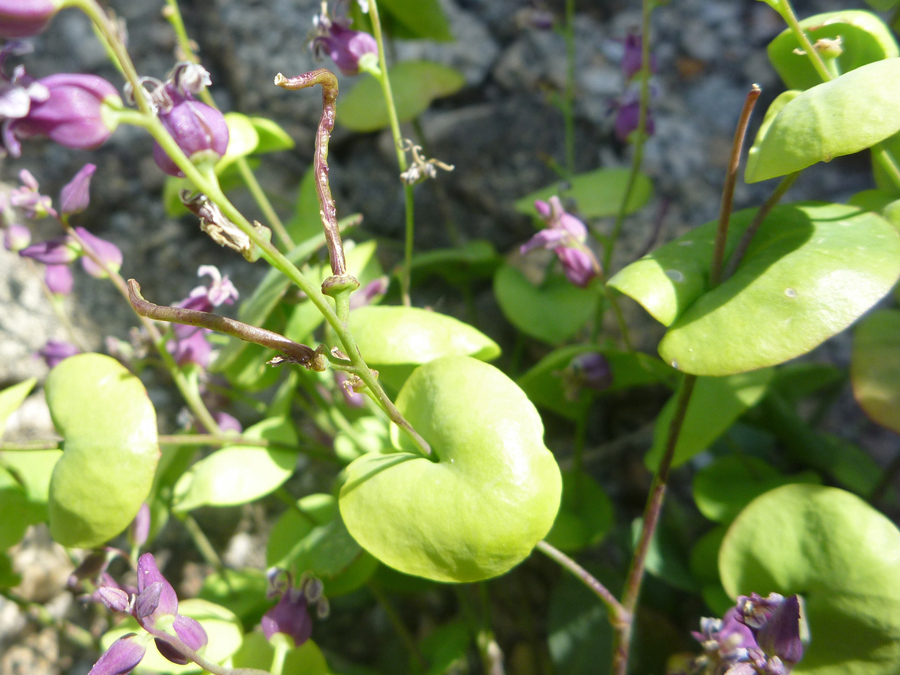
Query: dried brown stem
column 327, row 211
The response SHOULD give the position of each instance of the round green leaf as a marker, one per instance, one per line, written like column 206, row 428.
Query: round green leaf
column 272, row 137
column 239, row 474
column 242, row 139
column 12, row 398
column 397, row 339
column 704, row 565
column 715, row 404
column 597, row 194
column 722, row 489
column 841, row 555
column 545, row 384
column 15, row 509
column 415, row 84
column 810, row 272
column 864, row 39
column 850, row 113
column 875, row 367
column 477, row 506
column 552, row 312
column 585, row 513
column 222, row 628
column 883, row 179
column 110, row 449
column 418, row 19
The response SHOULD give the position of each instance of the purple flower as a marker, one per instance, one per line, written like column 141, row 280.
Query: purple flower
column 354, row 399
column 29, row 199
column 59, row 279
column 566, row 236
column 25, row 18
column 108, row 252
column 122, row 656
column 371, row 292
column 591, row 370
column 627, row 118
column 74, row 112
column 156, row 597
column 190, row 344
column 57, row 350
column 291, row 615
column 777, row 623
column 16, row 237
column 227, row 422
column 195, row 126
column 633, row 58
column 57, row 251
column 76, row 194
column 140, row 526
column 346, row 47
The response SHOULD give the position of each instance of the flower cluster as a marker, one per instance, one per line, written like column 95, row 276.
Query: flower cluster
column 759, row 636
column 566, row 236
column 290, row 616
column 155, row 608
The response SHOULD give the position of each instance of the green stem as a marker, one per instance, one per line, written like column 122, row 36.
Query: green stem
column 569, row 94
column 887, row 163
column 281, row 651
column 385, row 82
column 787, row 13
column 207, row 550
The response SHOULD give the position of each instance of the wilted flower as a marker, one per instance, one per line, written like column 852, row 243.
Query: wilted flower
column 56, row 351
column 195, row 126
column 566, row 236
column 332, row 35
column 72, row 110
column 25, row 18
column 75, row 195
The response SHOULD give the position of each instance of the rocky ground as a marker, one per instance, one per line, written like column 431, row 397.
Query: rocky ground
column 498, row 132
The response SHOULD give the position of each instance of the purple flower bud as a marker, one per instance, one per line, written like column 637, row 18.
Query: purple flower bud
column 108, row 252
column 28, row 197
column 57, row 350
column 140, row 526
column 627, row 119
column 193, row 348
column 25, row 18
column 122, row 656
column 58, row 251
column 76, row 194
column 195, row 126
column 346, row 47
column 59, row 279
column 632, row 57
column 152, row 583
column 16, row 237
column 290, row 616
column 590, row 370
column 577, row 264
column 73, row 114
column 114, row 598
column 227, row 422
column 190, row 632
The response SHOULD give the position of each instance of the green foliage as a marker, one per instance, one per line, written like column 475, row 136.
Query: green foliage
column 596, row 194
column 12, row 398
column 850, row 113
column 841, row 555
column 110, row 449
column 475, row 508
column 875, row 368
column 585, row 513
column 415, row 84
column 810, row 272
column 257, row 652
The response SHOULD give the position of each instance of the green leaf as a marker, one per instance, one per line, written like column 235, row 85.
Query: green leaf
column 271, row 137
column 242, row 139
column 8, row 576
column 864, row 39
column 257, row 652
column 722, row 489
column 312, row 538
column 597, row 194
column 883, row 179
column 242, row 592
column 418, row 19
column 415, row 84
column 552, row 312
column 875, row 367
column 15, row 509
column 850, row 113
column 545, row 383
column 714, row 406
column 222, row 628
column 704, row 565
column 12, row 398
column 110, row 449
column 883, row 5
column 796, row 381
column 810, row 272
column 585, row 513
column 446, row 648
column 306, row 222
column 32, row 469
column 841, row 555
column 427, row 516
column 474, row 259
column 237, row 474
column 397, row 339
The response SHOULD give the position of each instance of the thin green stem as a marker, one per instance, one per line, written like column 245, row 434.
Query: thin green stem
column 787, row 13
column 887, row 163
column 568, row 103
column 207, row 550
column 618, row 614
column 652, row 512
column 384, row 80
column 640, row 135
